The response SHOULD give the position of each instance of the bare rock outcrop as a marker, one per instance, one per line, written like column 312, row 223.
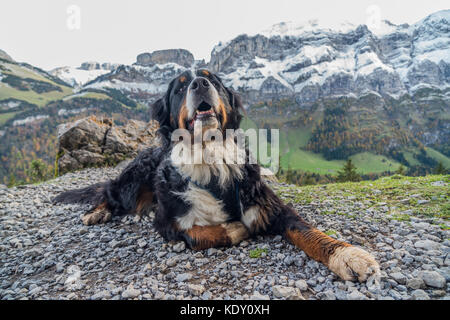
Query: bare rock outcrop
column 180, row 56
column 93, row 142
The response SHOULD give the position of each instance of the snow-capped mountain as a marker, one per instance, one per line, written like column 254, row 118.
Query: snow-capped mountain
column 311, row 61
column 78, row 76
column 147, row 79
column 305, row 61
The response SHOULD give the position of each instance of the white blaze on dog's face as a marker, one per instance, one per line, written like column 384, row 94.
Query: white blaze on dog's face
column 203, row 104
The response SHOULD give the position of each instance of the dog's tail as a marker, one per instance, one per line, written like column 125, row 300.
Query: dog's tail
column 92, row 195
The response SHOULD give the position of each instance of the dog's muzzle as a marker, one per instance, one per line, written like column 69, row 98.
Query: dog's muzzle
column 202, row 101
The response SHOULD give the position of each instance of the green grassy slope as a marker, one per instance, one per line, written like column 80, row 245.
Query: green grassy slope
column 292, row 140
column 23, row 91
column 399, row 194
column 439, row 157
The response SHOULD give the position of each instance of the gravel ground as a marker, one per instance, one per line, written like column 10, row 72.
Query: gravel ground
column 46, row 253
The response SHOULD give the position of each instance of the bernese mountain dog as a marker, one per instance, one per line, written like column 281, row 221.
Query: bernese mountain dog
column 210, row 204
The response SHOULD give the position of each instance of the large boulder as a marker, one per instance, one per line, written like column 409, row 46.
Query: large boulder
column 90, row 142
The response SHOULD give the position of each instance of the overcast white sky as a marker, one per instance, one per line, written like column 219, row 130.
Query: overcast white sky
column 43, row 33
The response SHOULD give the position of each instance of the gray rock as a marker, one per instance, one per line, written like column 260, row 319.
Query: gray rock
column 104, row 294
column 196, row 289
column 427, row 245
column 399, row 277
column 258, row 296
column 180, row 246
column 288, row 293
column 433, row 279
column 419, row 295
column 327, row 295
column 356, row 295
column 301, row 284
column 142, row 243
column 130, row 293
column 206, row 295
column 415, row 283
column 183, row 277
column 171, row 262
column 94, row 142
column 179, row 56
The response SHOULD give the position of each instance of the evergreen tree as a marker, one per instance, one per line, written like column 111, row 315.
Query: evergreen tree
column 290, row 175
column 440, row 169
column 12, row 180
column 401, row 170
column 37, row 171
column 348, row 173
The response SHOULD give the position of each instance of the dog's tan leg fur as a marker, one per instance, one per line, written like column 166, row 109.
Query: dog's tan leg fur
column 98, row 215
column 223, row 235
column 347, row 261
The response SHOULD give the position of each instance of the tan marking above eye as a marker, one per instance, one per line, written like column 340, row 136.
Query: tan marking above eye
column 205, row 72
column 182, row 79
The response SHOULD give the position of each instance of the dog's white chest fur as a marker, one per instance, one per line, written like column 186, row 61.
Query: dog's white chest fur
column 205, row 208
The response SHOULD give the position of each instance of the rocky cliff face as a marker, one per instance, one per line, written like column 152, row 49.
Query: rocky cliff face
column 4, row 55
column 179, row 56
column 92, row 142
column 147, row 79
column 310, row 61
column 307, row 62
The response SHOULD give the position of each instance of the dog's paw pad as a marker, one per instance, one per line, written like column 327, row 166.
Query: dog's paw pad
column 98, row 215
column 352, row 263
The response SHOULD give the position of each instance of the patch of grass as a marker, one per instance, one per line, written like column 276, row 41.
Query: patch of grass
column 256, row 253
column 401, row 217
column 367, row 162
column 292, row 155
column 331, row 232
column 5, row 117
column 31, row 96
column 439, row 157
column 248, row 123
column 397, row 193
column 93, row 95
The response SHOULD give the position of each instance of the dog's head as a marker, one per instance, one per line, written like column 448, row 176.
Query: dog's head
column 197, row 98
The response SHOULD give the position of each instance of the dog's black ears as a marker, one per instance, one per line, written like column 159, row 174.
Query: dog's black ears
column 235, row 116
column 160, row 112
column 235, row 100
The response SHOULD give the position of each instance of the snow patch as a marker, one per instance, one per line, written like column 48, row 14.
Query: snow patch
column 77, row 77
column 29, row 119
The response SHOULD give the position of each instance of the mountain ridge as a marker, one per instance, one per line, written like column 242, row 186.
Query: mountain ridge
column 349, row 92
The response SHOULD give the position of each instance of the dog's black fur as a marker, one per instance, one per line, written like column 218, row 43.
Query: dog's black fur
column 152, row 181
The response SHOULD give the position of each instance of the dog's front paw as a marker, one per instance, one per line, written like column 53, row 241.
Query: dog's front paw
column 353, row 262
column 236, row 231
column 99, row 215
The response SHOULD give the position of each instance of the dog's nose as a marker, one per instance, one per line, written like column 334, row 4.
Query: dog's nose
column 200, row 84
